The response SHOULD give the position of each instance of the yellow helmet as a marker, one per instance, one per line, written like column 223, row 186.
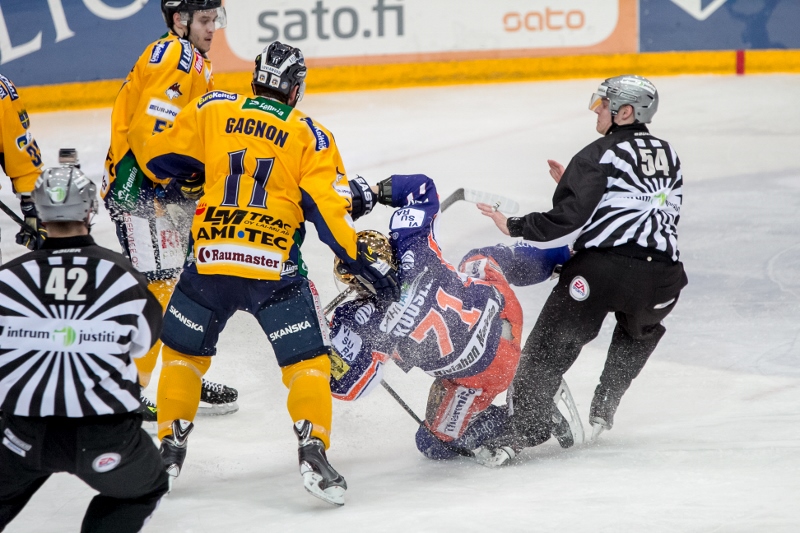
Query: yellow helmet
column 378, row 244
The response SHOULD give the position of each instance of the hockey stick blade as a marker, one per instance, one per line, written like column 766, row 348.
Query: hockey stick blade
column 504, row 204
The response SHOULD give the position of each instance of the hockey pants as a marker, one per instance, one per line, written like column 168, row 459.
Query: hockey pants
column 111, row 454
column 592, row 284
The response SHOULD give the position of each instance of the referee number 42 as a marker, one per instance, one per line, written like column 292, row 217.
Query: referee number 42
column 651, row 165
column 57, row 286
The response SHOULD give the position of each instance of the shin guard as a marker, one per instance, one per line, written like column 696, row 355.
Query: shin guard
column 179, row 388
column 310, row 394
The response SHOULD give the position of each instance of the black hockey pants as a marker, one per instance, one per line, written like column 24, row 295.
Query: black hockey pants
column 112, row 454
column 593, row 283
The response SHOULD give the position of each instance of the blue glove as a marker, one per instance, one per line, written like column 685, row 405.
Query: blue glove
column 378, row 276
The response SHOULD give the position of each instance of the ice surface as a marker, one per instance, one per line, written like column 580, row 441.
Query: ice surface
column 706, row 440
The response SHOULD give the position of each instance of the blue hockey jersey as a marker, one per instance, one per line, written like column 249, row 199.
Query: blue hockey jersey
column 448, row 321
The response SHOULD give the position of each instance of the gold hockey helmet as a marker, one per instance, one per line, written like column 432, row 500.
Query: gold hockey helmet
column 378, row 244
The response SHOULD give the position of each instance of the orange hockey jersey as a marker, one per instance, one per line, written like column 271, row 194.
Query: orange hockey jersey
column 268, row 168
column 19, row 153
column 166, row 77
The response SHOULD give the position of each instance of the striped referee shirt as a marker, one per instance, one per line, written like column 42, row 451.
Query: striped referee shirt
column 72, row 318
column 622, row 190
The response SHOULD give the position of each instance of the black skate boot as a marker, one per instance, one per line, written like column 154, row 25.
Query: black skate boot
column 173, row 448
column 217, row 399
column 561, row 430
column 148, row 409
column 319, row 477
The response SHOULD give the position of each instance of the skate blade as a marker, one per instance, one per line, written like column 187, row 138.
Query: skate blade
column 493, row 458
column 172, row 475
column 217, row 409
column 597, row 429
column 333, row 495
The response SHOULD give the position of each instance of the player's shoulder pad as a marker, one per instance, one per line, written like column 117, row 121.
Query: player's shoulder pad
column 216, row 96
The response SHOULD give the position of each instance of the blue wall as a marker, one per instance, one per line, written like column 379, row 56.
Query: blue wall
column 100, row 48
column 736, row 25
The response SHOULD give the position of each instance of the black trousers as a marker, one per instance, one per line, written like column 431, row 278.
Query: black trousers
column 592, row 284
column 112, row 454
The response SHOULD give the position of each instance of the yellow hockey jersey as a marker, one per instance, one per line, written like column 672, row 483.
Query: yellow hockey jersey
column 168, row 75
column 268, row 168
column 19, row 154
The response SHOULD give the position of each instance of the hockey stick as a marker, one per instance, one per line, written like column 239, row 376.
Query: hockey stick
column 502, row 203
column 342, row 296
column 456, row 449
column 16, row 218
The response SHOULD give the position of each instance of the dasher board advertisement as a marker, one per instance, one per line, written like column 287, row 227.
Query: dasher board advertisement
column 44, row 42
column 341, row 32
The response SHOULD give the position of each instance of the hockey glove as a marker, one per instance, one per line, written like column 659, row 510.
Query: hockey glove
column 378, row 276
column 363, row 198
column 33, row 234
column 192, row 189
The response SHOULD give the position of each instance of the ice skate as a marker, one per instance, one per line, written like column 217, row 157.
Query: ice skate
column 217, row 399
column 601, row 413
column 173, row 448
column 561, row 430
column 493, row 457
column 319, row 477
column 149, row 413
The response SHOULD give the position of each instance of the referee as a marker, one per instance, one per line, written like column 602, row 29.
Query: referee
column 619, row 200
column 73, row 316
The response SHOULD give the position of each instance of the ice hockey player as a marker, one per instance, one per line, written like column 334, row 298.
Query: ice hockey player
column 267, row 168
column 620, row 200
column 461, row 326
column 21, row 160
column 152, row 219
column 73, row 316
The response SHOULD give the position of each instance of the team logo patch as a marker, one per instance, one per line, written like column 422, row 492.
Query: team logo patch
column 158, row 52
column 579, row 288
column 214, row 96
column 239, row 255
column 174, row 91
column 24, row 119
column 198, row 62
column 407, row 218
column 322, row 138
column 106, row 462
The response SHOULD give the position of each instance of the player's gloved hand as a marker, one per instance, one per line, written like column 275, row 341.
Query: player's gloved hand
column 192, row 189
column 363, row 198
column 31, row 236
column 376, row 274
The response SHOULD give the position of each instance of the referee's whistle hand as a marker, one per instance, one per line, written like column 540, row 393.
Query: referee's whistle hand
column 498, row 217
column 556, row 170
